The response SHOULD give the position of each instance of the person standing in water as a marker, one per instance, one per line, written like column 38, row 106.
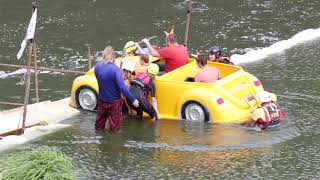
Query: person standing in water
column 111, row 85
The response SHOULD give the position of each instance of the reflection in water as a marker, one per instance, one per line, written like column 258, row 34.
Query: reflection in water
column 171, row 149
column 166, row 149
column 200, row 137
column 197, row 133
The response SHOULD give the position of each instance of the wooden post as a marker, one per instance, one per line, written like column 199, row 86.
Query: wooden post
column 27, row 87
column 27, row 82
column 89, row 58
column 36, row 71
column 188, row 22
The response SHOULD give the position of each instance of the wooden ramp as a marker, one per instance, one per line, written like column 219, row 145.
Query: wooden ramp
column 41, row 113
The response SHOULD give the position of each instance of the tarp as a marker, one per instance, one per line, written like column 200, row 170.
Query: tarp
column 47, row 111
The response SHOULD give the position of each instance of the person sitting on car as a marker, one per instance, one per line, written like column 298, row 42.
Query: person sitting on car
column 141, row 85
column 174, row 54
column 207, row 74
column 133, row 49
column 143, row 62
column 215, row 55
column 130, row 48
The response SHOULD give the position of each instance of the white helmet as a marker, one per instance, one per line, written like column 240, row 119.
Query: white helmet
column 264, row 97
column 129, row 66
column 273, row 97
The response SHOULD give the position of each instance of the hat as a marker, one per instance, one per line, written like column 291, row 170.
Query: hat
column 129, row 66
column 273, row 97
column 215, row 50
column 130, row 46
column 264, row 97
column 153, row 69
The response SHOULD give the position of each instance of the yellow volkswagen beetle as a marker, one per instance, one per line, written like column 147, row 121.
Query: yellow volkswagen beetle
column 229, row 100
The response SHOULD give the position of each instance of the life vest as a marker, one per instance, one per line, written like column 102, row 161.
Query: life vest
column 271, row 113
column 141, row 80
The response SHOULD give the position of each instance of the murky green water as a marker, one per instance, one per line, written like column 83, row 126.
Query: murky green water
column 172, row 149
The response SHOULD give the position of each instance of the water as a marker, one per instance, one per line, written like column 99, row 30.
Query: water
column 172, row 149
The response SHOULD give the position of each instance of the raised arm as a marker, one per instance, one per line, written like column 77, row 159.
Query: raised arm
column 153, row 97
column 152, row 50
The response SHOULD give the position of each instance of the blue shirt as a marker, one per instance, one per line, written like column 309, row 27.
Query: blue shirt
column 111, row 83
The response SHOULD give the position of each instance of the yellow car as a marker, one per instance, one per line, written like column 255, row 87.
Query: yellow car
column 84, row 92
column 229, row 100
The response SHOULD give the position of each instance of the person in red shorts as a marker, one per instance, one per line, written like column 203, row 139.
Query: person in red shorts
column 175, row 55
column 111, row 86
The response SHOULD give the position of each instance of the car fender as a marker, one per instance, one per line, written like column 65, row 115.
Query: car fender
column 85, row 80
column 204, row 97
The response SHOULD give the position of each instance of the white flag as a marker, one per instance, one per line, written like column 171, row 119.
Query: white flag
column 29, row 34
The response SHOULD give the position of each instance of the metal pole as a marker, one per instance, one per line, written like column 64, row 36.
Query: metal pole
column 27, row 88
column 36, row 71
column 188, row 23
column 89, row 58
column 43, row 69
column 11, row 103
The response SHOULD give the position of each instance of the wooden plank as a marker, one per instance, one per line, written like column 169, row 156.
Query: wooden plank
column 19, row 130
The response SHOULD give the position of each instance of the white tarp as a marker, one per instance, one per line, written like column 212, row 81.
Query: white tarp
column 29, row 34
column 50, row 112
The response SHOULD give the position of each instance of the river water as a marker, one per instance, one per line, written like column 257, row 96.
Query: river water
column 178, row 149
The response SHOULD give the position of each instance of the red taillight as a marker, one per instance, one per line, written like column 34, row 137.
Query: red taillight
column 220, row 101
column 257, row 83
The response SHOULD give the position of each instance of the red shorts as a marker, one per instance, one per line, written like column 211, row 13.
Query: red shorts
column 110, row 111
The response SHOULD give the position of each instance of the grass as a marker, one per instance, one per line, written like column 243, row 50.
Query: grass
column 44, row 164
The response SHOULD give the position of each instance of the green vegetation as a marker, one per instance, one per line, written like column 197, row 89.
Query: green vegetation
column 38, row 164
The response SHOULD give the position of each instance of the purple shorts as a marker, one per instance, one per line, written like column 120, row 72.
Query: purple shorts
column 110, row 111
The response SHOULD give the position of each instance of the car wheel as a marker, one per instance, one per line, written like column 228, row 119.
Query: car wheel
column 87, row 98
column 194, row 111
